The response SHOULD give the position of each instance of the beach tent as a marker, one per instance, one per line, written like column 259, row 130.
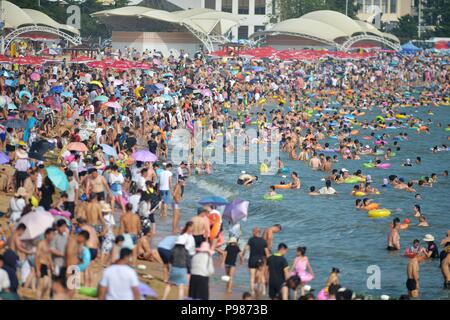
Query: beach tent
column 409, row 48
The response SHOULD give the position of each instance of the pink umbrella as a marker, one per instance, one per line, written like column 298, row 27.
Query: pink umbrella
column 36, row 222
column 29, row 107
column 144, row 156
column 206, row 92
column 113, row 104
column 35, row 76
column 53, row 102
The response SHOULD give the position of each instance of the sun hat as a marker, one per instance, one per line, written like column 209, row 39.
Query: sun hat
column 428, row 238
column 344, row 170
column 21, row 192
column 106, row 207
column 232, row 240
column 205, row 247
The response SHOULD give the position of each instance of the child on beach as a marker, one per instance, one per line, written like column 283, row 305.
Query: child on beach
column 231, row 253
column 260, row 280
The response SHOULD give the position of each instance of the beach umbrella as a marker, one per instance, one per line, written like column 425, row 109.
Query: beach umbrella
column 53, row 102
column 235, row 211
column 29, row 107
column 77, row 146
column 206, row 92
column 142, row 65
column 167, row 75
column 96, row 83
column 97, row 65
column 166, row 97
column 57, row 89
column 81, row 59
column 144, row 156
column 41, row 146
column 36, row 156
column 36, row 222
column 67, row 94
column 58, row 178
column 15, row 123
column 113, row 104
column 186, row 91
column 102, row 99
column 11, row 83
column 146, row 291
column 3, row 158
column 35, row 76
column 214, row 200
column 108, row 150
column 25, row 93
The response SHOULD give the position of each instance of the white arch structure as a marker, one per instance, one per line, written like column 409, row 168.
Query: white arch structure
column 207, row 25
column 331, row 28
column 18, row 21
column 76, row 40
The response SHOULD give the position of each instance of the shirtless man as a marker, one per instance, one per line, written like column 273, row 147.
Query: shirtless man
column 130, row 223
column 15, row 244
column 394, row 236
column 315, row 163
column 412, row 271
column 92, row 244
column 94, row 216
column 144, row 250
column 177, row 194
column 200, row 227
column 245, row 179
column 296, row 183
column 74, row 249
column 98, row 185
column 44, row 264
column 327, row 165
column 268, row 235
column 80, row 210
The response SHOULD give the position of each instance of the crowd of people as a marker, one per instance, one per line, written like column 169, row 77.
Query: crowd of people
column 89, row 148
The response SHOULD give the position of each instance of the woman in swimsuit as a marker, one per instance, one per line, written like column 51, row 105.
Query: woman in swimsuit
column 302, row 268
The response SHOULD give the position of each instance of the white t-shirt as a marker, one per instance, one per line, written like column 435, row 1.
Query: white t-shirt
column 73, row 166
column 325, row 190
column 134, row 200
column 98, row 134
column 190, row 243
column 4, row 280
column 164, row 178
column 119, row 279
column 73, row 186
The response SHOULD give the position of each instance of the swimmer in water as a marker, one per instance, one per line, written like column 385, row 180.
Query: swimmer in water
column 417, row 211
column 313, row 192
column 418, row 196
column 423, row 222
column 272, row 191
column 418, row 160
column 295, row 183
column 246, row 179
column 445, row 173
column 407, row 163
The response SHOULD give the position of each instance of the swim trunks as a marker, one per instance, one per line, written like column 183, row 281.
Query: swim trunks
column 44, row 270
column 411, row 284
column 93, row 253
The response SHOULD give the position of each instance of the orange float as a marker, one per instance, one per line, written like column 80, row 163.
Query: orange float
column 282, row 186
column 215, row 224
column 372, row 206
column 355, row 132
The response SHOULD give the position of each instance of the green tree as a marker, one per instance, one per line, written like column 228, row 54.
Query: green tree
column 437, row 13
column 406, row 29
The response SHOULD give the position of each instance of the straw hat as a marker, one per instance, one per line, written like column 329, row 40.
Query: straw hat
column 21, row 192
column 232, row 240
column 106, row 207
column 21, row 154
column 428, row 238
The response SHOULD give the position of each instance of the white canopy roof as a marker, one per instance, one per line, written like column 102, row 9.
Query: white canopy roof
column 206, row 21
column 16, row 17
column 328, row 26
